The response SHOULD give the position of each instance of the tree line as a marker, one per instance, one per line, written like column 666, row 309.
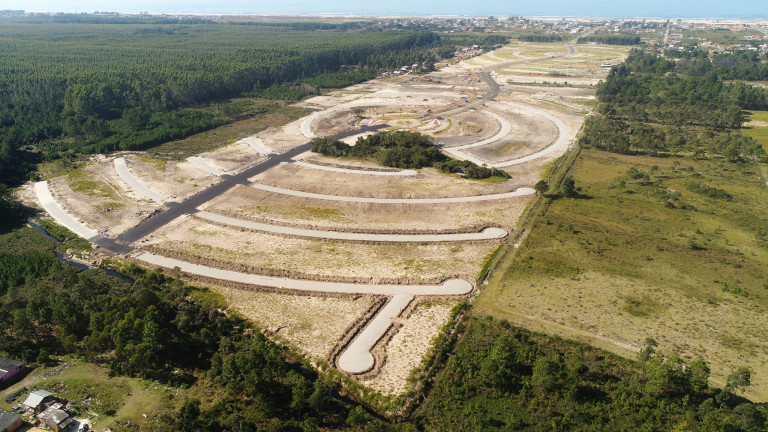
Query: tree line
column 405, row 150
column 655, row 105
column 504, row 378
column 611, row 39
column 74, row 92
column 154, row 329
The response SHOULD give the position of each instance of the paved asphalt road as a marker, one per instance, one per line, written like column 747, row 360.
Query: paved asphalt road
column 122, row 244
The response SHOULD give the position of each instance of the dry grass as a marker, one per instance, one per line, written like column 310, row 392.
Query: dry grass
column 621, row 265
column 248, row 201
column 409, row 345
column 311, row 324
column 421, row 262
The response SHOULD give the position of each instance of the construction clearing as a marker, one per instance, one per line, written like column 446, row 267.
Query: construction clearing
column 345, row 260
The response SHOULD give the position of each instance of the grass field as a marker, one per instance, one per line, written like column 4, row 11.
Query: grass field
column 111, row 398
column 673, row 249
column 227, row 134
column 756, row 126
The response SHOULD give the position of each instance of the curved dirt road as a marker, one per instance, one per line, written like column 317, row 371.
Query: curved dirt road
column 523, row 191
column 49, row 203
column 449, row 287
column 356, row 171
column 560, row 143
column 486, row 234
column 121, row 167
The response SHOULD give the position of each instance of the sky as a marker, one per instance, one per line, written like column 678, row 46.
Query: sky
column 501, row 8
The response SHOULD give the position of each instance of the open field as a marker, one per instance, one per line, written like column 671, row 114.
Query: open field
column 634, row 258
column 249, row 202
column 313, row 324
column 756, row 126
column 222, row 136
column 429, row 183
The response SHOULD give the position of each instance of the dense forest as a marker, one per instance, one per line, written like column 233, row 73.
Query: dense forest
column 499, row 377
column 611, row 39
column 82, row 84
column 100, row 88
column 405, row 150
column 655, row 105
column 153, row 329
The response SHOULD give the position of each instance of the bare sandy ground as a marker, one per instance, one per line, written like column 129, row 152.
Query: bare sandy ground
column 196, row 238
column 429, row 183
column 409, row 345
column 246, row 201
column 313, row 324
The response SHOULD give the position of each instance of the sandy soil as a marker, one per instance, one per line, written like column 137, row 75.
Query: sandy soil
column 102, row 201
column 177, row 180
column 409, row 345
column 246, row 201
column 429, row 183
column 530, row 133
column 313, row 324
column 197, row 238
column 235, row 157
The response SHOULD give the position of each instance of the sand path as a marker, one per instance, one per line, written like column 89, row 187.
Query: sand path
column 121, row 167
column 486, row 234
column 523, row 191
column 49, row 203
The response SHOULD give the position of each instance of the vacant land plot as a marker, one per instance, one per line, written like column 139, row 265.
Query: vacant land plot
column 429, row 183
column 409, row 345
column 225, row 135
column 652, row 248
column 420, row 263
column 249, row 202
column 313, row 324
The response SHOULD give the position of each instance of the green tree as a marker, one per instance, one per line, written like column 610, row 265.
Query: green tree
column 188, row 414
column 740, row 379
column 541, row 187
column 568, row 187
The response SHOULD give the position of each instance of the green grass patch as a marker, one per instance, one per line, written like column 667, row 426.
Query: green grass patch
column 81, row 181
column 756, row 127
column 157, row 163
column 642, row 306
column 322, row 212
column 270, row 114
column 68, row 239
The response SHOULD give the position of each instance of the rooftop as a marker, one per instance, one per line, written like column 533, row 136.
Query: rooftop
column 36, row 398
column 7, row 364
column 7, row 419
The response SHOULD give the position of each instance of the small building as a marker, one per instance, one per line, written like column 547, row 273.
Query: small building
column 38, row 400
column 9, row 368
column 56, row 418
column 9, row 421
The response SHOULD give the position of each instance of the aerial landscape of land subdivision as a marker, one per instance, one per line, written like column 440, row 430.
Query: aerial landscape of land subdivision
column 244, row 222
